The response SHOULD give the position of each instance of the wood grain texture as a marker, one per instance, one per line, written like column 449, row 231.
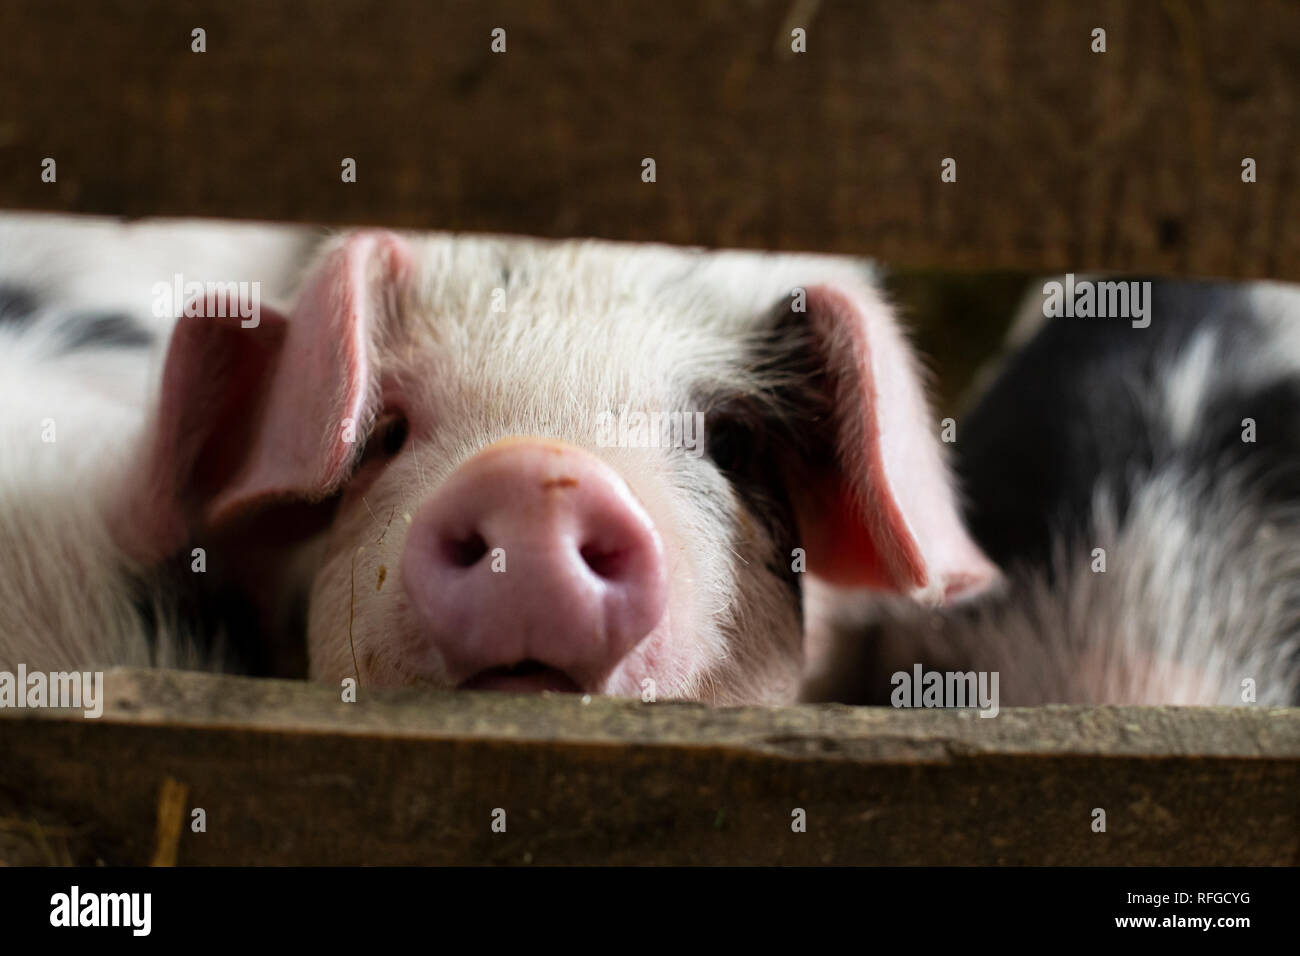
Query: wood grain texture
column 1067, row 159
column 289, row 774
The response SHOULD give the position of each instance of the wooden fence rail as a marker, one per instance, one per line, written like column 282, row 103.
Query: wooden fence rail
column 285, row 772
column 1066, row 158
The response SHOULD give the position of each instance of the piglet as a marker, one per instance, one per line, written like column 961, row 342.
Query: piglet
column 571, row 466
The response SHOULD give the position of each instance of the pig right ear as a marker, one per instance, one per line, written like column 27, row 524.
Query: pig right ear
column 880, row 511
column 271, row 411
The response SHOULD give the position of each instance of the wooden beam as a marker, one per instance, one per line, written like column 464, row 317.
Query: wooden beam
column 287, row 773
column 1067, row 159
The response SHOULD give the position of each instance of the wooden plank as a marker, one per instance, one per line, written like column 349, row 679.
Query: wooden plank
column 1066, row 159
column 287, row 773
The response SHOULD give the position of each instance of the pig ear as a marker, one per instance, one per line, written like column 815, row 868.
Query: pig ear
column 267, row 412
column 884, row 515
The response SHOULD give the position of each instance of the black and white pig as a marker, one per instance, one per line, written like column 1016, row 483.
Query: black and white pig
column 449, row 428
column 1139, row 482
column 81, row 347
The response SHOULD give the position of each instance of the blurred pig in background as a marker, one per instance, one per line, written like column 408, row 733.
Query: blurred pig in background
column 81, row 347
column 1138, row 478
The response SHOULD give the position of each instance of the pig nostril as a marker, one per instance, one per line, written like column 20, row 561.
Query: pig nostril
column 588, row 582
column 465, row 552
column 605, row 564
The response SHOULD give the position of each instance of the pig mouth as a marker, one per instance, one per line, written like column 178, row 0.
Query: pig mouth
column 522, row 678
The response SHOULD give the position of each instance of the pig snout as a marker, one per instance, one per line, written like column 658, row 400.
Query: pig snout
column 533, row 568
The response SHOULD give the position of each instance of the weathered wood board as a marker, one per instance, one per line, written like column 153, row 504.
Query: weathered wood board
column 287, row 773
column 1067, row 159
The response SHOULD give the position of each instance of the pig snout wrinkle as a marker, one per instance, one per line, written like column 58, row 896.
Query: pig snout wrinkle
column 534, row 568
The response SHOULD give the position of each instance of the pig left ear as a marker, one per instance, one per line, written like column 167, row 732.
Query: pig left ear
column 271, row 411
column 884, row 514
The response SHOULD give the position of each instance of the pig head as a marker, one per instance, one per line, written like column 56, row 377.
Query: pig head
column 576, row 466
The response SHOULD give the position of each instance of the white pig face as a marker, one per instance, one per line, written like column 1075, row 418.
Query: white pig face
column 578, row 466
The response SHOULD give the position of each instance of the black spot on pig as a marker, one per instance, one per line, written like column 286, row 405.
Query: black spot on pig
column 110, row 331
column 1269, row 465
column 764, row 443
column 1085, row 403
column 17, row 306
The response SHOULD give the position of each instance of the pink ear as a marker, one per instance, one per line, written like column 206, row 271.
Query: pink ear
column 249, row 415
column 887, row 517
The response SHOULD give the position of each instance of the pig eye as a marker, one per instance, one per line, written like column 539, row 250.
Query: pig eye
column 732, row 446
column 394, row 435
column 386, row 439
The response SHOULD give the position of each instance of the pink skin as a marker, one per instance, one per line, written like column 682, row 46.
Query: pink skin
column 585, row 580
